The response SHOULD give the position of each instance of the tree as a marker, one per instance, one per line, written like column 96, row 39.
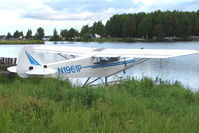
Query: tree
column 159, row 31
column 21, row 34
column 167, row 24
column 185, row 26
column 40, row 33
column 139, row 18
column 9, row 36
column 109, row 29
column 157, row 17
column 85, row 30
column 29, row 34
column 72, row 33
column 145, row 27
column 16, row 34
column 98, row 28
column 197, row 25
column 115, row 24
column 193, row 18
column 64, row 34
column 55, row 36
column 86, row 37
column 129, row 27
column 157, row 24
column 85, row 33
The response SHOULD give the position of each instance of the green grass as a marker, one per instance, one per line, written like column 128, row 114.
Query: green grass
column 21, row 42
column 51, row 105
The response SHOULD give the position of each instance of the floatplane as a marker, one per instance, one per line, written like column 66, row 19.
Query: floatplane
column 82, row 62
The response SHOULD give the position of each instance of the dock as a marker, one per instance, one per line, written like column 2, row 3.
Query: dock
column 4, row 64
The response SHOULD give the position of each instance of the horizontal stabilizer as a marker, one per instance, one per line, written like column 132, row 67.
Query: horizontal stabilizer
column 12, row 69
column 41, row 72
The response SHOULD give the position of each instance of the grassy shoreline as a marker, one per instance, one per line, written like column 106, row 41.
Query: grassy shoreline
column 51, row 105
column 130, row 40
column 4, row 42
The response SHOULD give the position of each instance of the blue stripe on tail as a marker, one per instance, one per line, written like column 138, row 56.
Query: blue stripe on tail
column 32, row 60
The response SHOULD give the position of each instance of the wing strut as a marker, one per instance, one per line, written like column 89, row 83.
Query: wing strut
column 125, row 66
column 141, row 61
column 86, row 83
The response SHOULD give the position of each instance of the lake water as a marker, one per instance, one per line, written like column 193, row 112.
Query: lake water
column 184, row 69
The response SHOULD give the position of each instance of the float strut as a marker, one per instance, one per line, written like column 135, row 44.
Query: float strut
column 106, row 80
column 86, row 81
column 94, row 80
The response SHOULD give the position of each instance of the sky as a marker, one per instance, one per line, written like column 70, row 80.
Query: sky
column 22, row 15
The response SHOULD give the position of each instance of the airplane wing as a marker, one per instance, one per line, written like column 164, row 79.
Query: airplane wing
column 108, row 52
column 144, row 53
column 64, row 49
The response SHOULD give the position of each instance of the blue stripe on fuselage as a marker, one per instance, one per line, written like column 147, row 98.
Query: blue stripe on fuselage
column 110, row 64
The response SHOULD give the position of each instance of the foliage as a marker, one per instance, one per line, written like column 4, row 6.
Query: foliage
column 69, row 35
column 145, row 27
column 64, row 34
column 115, row 24
column 40, row 33
column 9, row 36
column 86, row 37
column 51, row 105
column 29, row 34
column 72, row 33
column 159, row 31
column 129, row 27
column 155, row 24
column 55, row 36
column 98, row 28
column 17, row 34
column 85, row 32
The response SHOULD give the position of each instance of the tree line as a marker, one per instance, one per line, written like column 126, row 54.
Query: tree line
column 156, row 24
column 17, row 35
column 139, row 25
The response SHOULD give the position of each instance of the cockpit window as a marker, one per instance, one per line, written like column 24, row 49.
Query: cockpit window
column 104, row 60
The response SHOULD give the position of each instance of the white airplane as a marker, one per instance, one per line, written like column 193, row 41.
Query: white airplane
column 81, row 62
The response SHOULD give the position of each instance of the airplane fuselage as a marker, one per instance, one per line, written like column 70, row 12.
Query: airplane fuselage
column 86, row 67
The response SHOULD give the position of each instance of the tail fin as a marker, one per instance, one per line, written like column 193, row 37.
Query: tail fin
column 27, row 61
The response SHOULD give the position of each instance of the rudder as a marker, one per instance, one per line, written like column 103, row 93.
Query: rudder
column 27, row 60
